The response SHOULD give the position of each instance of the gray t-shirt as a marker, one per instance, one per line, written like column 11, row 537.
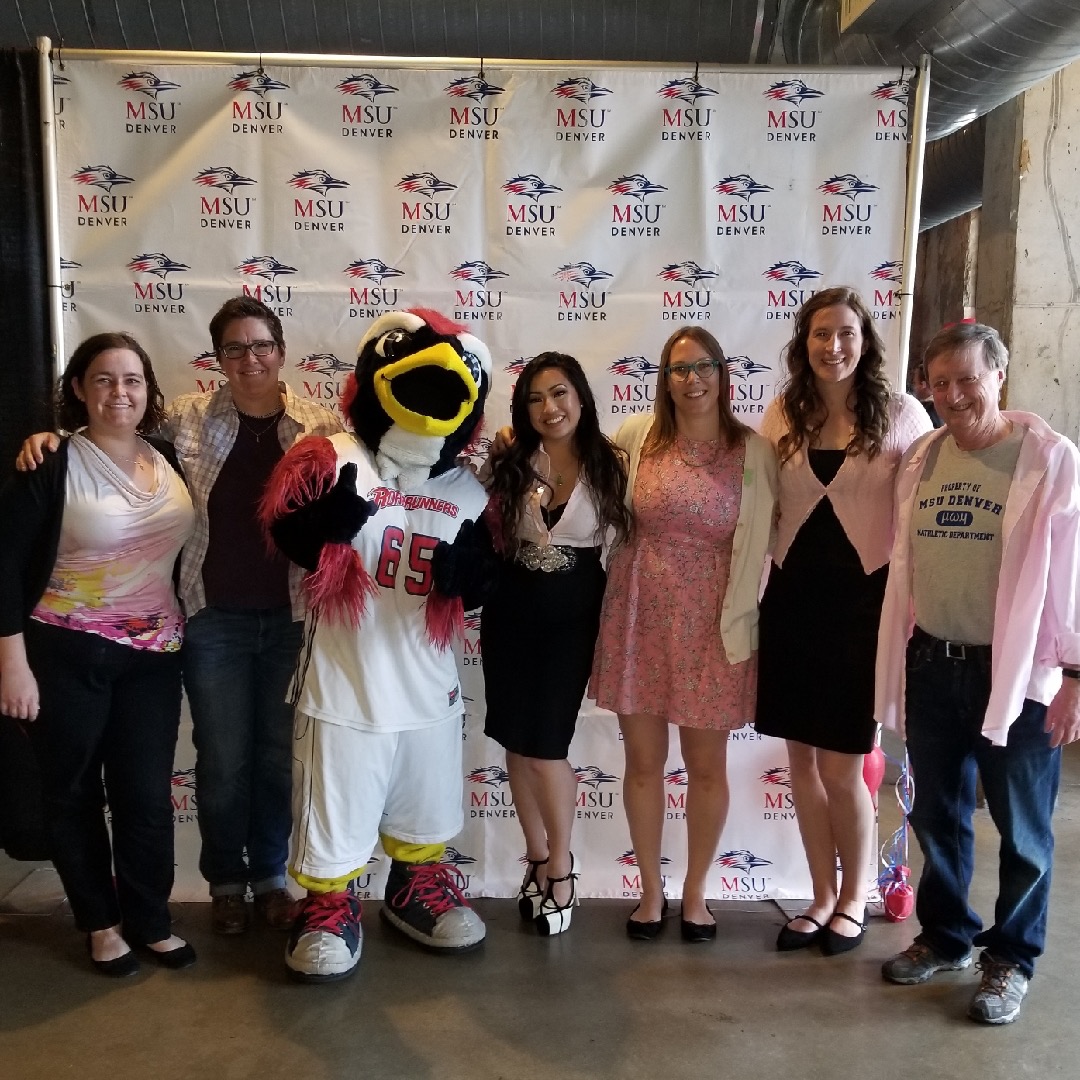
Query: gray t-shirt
column 956, row 537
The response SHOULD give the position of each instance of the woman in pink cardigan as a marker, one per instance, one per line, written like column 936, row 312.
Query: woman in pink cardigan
column 839, row 433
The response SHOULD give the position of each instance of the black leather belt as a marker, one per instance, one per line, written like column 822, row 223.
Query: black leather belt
column 940, row 649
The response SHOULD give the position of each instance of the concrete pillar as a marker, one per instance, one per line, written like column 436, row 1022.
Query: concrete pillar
column 1029, row 246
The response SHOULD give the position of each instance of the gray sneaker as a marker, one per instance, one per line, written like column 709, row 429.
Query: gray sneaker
column 1000, row 994
column 918, row 963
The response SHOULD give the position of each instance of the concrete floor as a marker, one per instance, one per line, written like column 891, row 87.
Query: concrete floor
column 587, row 1004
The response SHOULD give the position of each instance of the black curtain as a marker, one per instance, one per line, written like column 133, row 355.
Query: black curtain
column 25, row 378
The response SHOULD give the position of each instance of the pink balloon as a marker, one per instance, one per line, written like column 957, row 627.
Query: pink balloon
column 897, row 896
column 873, row 771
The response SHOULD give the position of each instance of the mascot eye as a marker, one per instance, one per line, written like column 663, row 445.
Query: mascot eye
column 472, row 362
column 392, row 345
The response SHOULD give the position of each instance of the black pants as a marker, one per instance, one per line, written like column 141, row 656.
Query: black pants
column 108, row 711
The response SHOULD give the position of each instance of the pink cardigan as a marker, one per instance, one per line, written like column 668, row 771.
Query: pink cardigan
column 862, row 492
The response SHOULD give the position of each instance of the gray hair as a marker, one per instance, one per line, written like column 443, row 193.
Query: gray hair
column 960, row 334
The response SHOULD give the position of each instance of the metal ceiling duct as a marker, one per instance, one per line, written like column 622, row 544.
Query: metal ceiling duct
column 984, row 51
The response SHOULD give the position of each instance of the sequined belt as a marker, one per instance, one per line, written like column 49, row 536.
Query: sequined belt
column 551, row 558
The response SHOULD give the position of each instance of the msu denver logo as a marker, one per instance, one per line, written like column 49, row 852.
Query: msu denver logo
column 365, row 86
column 629, row 858
column 424, row 183
column 888, row 271
column 741, row 859
column 207, row 361
column 846, row 184
column 491, row 775
column 256, row 82
column 742, row 185
column 742, row 367
column 477, row 271
column 778, row 777
column 676, row 777
column 102, row 176
column 316, row 180
column 472, row 86
column 581, row 273
column 688, row 90
column 264, row 266
column 688, row 273
column 792, row 271
column 897, row 90
column 579, row 89
column 157, row 263
column 372, row 270
column 636, row 367
column 323, row 363
column 224, row 177
column 593, row 776
column 146, row 82
column 184, row 778
column 636, row 186
column 793, row 91
column 457, row 858
column 516, row 367
column 530, row 186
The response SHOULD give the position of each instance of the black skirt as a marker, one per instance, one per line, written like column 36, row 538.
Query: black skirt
column 537, row 635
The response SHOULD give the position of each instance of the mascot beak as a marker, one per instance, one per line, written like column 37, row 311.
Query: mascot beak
column 430, row 392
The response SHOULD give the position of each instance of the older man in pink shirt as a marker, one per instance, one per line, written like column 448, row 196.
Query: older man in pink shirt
column 979, row 661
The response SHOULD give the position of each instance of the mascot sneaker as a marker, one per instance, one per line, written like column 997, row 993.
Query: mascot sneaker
column 325, row 941
column 425, row 901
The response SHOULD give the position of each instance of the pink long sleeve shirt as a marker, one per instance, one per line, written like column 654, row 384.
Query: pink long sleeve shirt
column 1037, row 608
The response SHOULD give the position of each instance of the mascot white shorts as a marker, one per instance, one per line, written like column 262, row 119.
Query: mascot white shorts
column 350, row 785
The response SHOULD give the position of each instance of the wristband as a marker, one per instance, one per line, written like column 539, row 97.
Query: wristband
column 1070, row 673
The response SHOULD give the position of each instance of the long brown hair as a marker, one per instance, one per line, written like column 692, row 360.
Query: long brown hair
column 602, row 465
column 804, row 409
column 663, row 431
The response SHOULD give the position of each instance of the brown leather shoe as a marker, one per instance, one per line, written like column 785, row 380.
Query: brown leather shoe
column 230, row 914
column 276, row 908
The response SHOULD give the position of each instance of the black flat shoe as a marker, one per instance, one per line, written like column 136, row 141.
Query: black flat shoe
column 696, row 932
column 181, row 957
column 789, row 940
column 637, row 930
column 117, row 968
column 832, row 943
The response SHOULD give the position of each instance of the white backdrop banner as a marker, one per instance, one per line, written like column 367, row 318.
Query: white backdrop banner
column 588, row 210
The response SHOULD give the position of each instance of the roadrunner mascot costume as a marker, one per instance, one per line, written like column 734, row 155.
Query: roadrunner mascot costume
column 386, row 522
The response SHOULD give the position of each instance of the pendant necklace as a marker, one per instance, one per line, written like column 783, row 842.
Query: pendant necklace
column 272, row 417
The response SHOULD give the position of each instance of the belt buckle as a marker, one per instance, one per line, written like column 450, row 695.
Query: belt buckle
column 955, row 650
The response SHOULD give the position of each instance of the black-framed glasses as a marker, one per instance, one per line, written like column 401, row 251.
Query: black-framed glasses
column 701, row 368
column 235, row 350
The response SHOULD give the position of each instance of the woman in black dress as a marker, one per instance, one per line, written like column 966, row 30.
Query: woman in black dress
column 839, row 433
column 559, row 487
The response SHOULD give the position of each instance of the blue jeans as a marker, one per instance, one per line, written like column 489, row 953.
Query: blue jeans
column 237, row 667
column 946, row 702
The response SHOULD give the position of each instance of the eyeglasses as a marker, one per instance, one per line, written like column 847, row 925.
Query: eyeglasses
column 235, row 350
column 703, row 369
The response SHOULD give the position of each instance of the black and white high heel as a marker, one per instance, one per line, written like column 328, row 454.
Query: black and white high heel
column 530, row 895
column 553, row 917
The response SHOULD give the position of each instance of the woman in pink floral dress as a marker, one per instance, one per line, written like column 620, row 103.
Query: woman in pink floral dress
column 678, row 633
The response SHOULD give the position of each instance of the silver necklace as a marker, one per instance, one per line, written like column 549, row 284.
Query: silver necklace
column 272, row 416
